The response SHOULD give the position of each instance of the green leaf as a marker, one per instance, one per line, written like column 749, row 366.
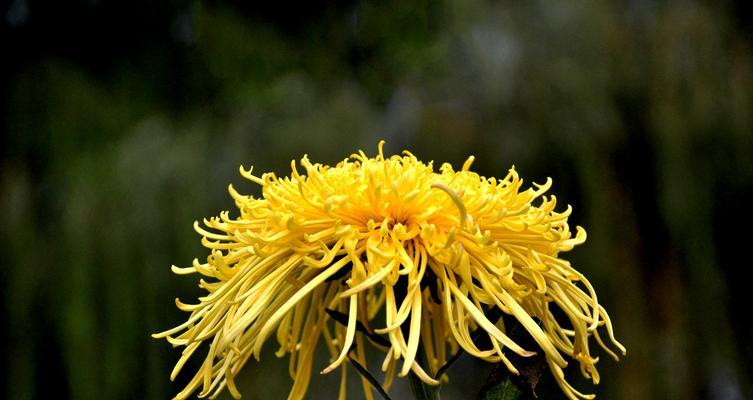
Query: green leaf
column 505, row 390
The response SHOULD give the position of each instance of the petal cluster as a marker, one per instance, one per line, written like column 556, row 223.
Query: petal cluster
column 397, row 249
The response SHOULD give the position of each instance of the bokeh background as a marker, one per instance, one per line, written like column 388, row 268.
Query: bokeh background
column 123, row 122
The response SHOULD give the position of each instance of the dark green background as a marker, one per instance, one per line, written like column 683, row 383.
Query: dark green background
column 123, row 122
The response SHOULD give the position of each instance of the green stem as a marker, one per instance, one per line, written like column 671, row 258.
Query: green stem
column 421, row 390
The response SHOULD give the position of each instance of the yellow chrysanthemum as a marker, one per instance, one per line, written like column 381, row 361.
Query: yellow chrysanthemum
column 433, row 250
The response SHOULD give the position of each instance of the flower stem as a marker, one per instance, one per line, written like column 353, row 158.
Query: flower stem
column 420, row 389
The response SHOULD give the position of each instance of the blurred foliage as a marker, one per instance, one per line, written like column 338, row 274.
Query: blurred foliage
column 124, row 123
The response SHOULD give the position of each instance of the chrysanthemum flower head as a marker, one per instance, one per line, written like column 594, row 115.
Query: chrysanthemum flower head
column 396, row 249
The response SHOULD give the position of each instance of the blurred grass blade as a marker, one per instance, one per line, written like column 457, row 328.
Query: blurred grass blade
column 342, row 318
column 449, row 363
column 365, row 373
column 493, row 315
